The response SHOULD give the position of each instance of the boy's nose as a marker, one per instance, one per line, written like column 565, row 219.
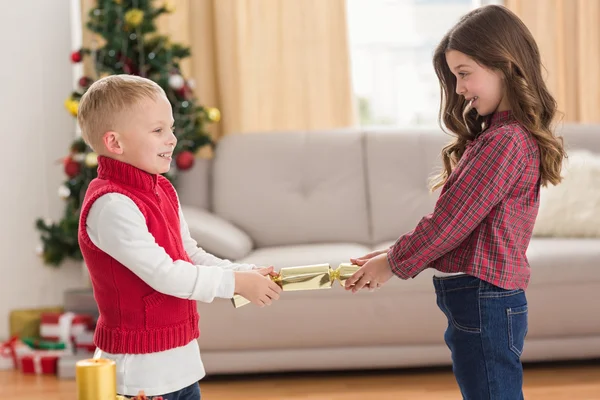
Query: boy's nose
column 172, row 139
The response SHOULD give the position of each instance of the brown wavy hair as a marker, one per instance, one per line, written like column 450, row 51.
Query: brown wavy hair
column 497, row 39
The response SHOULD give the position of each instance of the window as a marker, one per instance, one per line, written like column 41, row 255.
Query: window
column 391, row 48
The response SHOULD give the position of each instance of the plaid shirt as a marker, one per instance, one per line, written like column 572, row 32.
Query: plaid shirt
column 483, row 220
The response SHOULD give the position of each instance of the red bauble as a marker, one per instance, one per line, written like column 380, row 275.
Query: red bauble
column 84, row 81
column 184, row 160
column 76, row 56
column 72, row 167
column 182, row 92
column 185, row 92
column 129, row 66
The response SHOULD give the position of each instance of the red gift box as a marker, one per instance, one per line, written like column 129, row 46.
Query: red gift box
column 53, row 325
column 40, row 362
column 84, row 342
column 11, row 351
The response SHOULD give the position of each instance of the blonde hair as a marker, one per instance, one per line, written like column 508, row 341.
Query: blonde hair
column 106, row 100
column 496, row 38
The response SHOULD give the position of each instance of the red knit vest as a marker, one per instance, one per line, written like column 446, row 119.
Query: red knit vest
column 134, row 318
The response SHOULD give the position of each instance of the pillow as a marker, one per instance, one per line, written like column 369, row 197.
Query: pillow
column 572, row 208
column 216, row 235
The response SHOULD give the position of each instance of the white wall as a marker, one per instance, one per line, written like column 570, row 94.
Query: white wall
column 36, row 77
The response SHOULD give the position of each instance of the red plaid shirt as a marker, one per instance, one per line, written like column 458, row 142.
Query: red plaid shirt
column 484, row 217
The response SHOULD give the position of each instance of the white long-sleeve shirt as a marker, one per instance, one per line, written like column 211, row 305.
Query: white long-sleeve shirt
column 117, row 226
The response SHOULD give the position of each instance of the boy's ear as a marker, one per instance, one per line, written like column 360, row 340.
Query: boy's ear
column 112, row 143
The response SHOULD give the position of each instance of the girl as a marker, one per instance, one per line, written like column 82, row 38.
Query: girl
column 496, row 104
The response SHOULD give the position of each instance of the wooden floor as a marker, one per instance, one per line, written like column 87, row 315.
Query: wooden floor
column 542, row 382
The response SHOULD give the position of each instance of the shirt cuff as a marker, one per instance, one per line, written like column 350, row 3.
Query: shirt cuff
column 227, row 286
column 397, row 268
column 245, row 267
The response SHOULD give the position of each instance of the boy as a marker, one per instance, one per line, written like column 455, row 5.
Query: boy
column 147, row 272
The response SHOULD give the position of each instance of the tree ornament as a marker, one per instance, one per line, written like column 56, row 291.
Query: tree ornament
column 184, row 160
column 76, row 56
column 213, row 114
column 176, row 81
column 84, row 81
column 134, row 17
column 183, row 92
column 72, row 106
column 78, row 157
column 72, row 168
column 91, row 160
column 64, row 192
column 129, row 67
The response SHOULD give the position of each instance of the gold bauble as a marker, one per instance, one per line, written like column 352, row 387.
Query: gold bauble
column 72, row 106
column 134, row 17
column 91, row 160
column 213, row 114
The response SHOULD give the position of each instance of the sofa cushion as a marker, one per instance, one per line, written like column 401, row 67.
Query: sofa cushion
column 572, row 208
column 216, row 235
column 562, row 261
column 558, row 261
column 399, row 165
column 294, row 187
column 293, row 256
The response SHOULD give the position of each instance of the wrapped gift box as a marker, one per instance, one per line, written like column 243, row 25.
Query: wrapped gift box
column 54, row 325
column 11, row 351
column 26, row 322
column 84, row 342
column 40, row 362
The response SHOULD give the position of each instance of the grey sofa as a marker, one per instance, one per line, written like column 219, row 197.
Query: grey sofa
column 298, row 198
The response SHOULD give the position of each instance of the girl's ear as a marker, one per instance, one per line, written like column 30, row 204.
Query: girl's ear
column 112, row 142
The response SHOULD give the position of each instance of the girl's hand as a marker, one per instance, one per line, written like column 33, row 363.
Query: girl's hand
column 373, row 274
column 362, row 260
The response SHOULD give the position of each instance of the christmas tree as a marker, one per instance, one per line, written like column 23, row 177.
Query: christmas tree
column 130, row 44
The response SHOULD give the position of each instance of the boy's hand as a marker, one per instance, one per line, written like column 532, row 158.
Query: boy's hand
column 256, row 287
column 265, row 270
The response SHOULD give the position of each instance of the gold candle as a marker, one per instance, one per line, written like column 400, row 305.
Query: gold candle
column 96, row 379
column 307, row 277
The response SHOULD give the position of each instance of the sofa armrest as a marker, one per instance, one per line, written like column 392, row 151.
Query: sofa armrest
column 216, row 235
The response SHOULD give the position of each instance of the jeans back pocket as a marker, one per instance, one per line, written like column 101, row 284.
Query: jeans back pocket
column 517, row 328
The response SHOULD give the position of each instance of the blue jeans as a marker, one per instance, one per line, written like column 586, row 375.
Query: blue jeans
column 486, row 332
column 191, row 392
